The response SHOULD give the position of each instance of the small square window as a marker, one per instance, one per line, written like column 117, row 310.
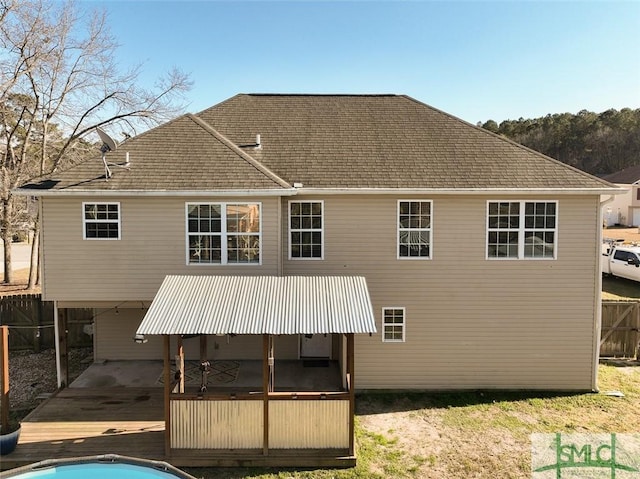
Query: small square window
column 393, row 325
column 101, row 221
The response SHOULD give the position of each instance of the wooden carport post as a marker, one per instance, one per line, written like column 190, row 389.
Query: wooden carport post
column 352, row 394
column 180, row 367
column 203, row 348
column 167, row 395
column 266, row 353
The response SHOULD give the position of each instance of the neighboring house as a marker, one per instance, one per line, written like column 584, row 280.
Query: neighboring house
column 625, row 208
column 426, row 253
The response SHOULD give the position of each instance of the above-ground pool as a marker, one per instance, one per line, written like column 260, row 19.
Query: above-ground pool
column 100, row 467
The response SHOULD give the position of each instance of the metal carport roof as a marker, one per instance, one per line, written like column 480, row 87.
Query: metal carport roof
column 260, row 305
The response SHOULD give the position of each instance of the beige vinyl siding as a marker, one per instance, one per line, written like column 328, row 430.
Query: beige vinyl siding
column 114, row 331
column 115, row 328
column 470, row 322
column 152, row 245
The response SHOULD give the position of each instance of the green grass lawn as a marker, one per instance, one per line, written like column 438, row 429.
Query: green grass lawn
column 469, row 434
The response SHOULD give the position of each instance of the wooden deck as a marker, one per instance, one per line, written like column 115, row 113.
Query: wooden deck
column 88, row 422
column 128, row 421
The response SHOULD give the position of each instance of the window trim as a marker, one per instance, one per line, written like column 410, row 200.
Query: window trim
column 430, row 230
column 290, row 230
column 521, row 230
column 404, row 324
column 84, row 220
column 224, row 259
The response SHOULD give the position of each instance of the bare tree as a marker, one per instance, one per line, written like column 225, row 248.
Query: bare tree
column 69, row 83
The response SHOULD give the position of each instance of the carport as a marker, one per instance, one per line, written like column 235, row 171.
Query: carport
column 265, row 426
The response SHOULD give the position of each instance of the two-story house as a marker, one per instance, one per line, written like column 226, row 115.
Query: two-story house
column 407, row 247
column 625, row 209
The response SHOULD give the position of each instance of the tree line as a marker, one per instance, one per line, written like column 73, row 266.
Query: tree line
column 60, row 79
column 598, row 143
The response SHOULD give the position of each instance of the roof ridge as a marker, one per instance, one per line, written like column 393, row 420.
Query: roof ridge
column 508, row 140
column 226, row 100
column 321, row 94
column 236, row 149
column 146, row 132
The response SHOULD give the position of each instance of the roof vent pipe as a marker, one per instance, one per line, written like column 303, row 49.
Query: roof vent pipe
column 258, row 144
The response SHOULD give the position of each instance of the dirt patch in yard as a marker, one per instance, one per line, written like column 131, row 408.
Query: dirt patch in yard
column 631, row 235
column 399, row 419
column 445, row 441
column 19, row 284
column 488, row 434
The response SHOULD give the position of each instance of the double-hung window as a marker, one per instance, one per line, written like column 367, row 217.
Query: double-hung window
column 223, row 233
column 101, row 221
column 306, row 230
column 414, row 229
column 393, row 325
column 522, row 229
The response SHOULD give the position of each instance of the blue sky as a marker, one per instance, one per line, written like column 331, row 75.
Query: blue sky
column 477, row 60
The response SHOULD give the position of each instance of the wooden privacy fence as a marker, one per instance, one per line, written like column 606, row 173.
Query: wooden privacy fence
column 620, row 329
column 30, row 321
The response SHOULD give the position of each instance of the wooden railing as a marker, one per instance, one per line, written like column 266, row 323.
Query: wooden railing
column 308, row 424
column 297, row 420
column 216, row 424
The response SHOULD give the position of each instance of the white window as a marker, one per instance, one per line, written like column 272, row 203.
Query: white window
column 306, row 234
column 101, row 221
column 522, row 229
column 393, row 325
column 414, row 229
column 223, row 233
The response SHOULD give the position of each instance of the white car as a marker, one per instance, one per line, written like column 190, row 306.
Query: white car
column 621, row 260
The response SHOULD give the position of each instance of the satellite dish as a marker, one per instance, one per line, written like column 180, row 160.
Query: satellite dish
column 108, row 144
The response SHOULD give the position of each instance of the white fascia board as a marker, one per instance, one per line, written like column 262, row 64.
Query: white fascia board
column 460, row 191
column 179, row 193
column 326, row 191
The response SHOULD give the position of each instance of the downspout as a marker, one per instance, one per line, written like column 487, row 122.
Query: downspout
column 281, row 230
column 598, row 297
column 56, row 332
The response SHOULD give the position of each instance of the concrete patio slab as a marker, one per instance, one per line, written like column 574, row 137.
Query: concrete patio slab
column 289, row 375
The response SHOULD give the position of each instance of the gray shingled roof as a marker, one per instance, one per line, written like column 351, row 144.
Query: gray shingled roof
column 628, row 176
column 326, row 141
column 183, row 154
